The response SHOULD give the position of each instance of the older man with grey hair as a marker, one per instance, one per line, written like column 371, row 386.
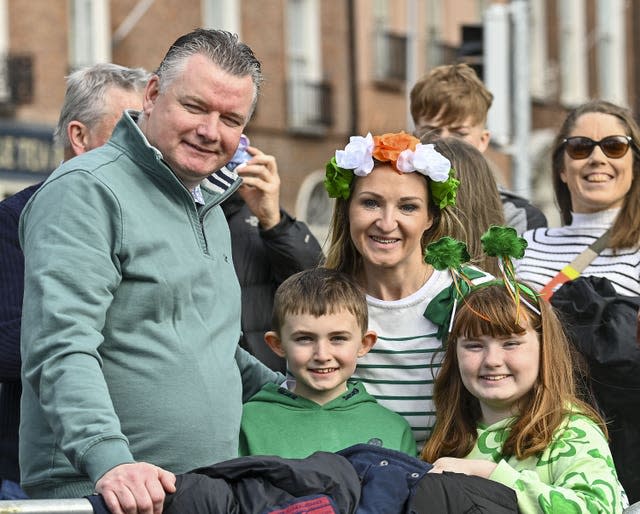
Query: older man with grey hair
column 131, row 319
column 94, row 100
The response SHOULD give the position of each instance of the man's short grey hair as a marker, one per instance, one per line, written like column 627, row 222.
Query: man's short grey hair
column 87, row 89
column 221, row 47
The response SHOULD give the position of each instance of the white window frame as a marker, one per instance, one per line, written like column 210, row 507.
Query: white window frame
column 5, row 91
column 540, row 76
column 90, row 33
column 611, row 50
column 304, row 59
column 222, row 14
column 572, row 19
column 433, row 28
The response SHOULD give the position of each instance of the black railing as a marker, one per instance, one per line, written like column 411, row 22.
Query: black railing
column 391, row 57
column 16, row 79
column 310, row 105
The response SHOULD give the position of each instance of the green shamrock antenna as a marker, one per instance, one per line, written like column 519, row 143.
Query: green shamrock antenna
column 505, row 244
column 446, row 253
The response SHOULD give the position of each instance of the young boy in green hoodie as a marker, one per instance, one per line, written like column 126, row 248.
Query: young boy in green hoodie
column 320, row 322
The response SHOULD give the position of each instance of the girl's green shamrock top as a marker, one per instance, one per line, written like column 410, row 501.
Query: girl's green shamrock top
column 575, row 474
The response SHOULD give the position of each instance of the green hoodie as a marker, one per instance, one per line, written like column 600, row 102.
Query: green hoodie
column 278, row 422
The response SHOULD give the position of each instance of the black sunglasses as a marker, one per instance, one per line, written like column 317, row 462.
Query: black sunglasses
column 580, row 147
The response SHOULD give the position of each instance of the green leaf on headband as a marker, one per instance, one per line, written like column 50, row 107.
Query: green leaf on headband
column 444, row 193
column 337, row 181
column 446, row 253
column 503, row 242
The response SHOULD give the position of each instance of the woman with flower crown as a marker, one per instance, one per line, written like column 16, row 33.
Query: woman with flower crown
column 393, row 196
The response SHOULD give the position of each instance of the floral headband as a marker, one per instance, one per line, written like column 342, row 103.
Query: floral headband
column 404, row 152
column 448, row 253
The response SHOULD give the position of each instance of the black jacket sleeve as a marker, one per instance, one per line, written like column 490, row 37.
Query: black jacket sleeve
column 291, row 247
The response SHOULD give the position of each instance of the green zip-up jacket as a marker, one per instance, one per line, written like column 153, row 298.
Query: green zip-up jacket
column 131, row 321
column 278, row 422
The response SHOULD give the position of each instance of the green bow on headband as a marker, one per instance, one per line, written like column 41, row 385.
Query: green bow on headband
column 448, row 253
column 440, row 309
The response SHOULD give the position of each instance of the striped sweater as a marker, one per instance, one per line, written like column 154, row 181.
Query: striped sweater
column 399, row 370
column 550, row 249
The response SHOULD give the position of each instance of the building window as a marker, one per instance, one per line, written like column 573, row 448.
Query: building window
column 221, row 14
column 314, row 206
column 541, row 79
column 308, row 96
column 4, row 51
column 434, row 50
column 390, row 47
column 611, row 51
column 90, row 34
column 573, row 52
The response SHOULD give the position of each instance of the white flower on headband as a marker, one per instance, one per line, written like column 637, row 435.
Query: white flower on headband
column 425, row 160
column 357, row 155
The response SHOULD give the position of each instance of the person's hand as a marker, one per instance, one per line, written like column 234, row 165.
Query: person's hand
column 260, row 187
column 136, row 488
column 476, row 467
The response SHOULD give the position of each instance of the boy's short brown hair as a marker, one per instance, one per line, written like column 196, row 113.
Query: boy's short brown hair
column 453, row 91
column 319, row 291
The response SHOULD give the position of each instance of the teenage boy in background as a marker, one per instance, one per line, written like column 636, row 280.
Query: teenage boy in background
column 451, row 100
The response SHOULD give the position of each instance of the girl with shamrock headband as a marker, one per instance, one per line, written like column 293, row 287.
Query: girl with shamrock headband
column 505, row 397
column 393, row 197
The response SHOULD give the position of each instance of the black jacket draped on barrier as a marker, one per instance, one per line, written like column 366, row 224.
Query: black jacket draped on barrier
column 602, row 326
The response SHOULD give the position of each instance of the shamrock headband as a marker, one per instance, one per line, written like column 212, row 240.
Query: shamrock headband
column 405, row 153
column 449, row 253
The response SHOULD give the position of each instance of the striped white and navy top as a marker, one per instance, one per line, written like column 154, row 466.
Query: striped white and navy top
column 550, row 249
column 399, row 370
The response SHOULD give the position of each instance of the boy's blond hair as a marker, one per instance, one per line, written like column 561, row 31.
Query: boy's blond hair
column 453, row 92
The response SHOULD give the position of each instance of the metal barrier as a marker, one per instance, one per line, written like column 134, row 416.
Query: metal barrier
column 632, row 509
column 75, row 506
column 83, row 506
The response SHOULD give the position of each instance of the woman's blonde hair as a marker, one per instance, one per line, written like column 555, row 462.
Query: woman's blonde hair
column 491, row 310
column 478, row 204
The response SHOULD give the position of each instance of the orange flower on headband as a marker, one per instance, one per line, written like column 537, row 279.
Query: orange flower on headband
column 388, row 147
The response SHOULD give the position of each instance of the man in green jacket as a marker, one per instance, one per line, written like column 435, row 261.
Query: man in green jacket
column 131, row 317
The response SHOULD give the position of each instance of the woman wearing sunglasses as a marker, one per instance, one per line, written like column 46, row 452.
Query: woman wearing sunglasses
column 595, row 166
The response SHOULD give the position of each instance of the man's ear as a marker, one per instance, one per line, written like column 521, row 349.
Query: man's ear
column 151, row 92
column 273, row 340
column 78, row 133
column 368, row 340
